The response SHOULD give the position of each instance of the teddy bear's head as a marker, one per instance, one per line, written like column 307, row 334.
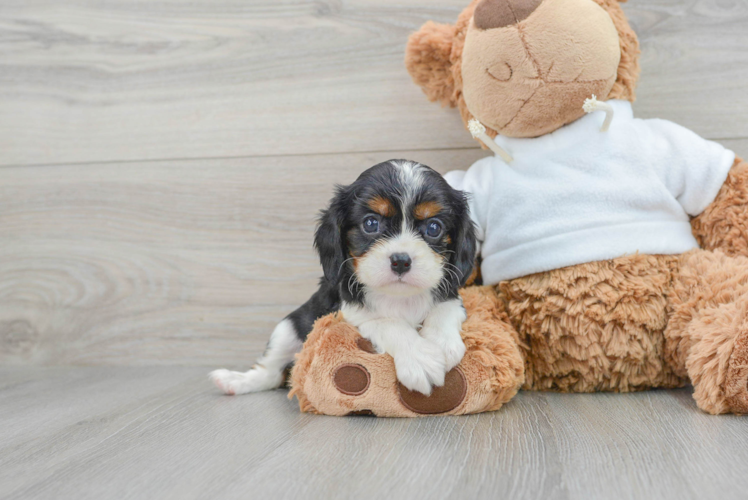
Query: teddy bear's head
column 524, row 68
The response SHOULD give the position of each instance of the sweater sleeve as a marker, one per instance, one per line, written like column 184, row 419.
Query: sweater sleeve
column 477, row 183
column 692, row 168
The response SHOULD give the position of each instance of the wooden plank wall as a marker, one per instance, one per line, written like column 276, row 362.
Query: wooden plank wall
column 162, row 162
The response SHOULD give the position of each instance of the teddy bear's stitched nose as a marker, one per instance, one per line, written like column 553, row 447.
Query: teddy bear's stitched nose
column 499, row 13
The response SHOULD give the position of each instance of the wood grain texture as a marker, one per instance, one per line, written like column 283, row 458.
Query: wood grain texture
column 176, row 262
column 147, row 433
column 109, row 260
column 128, row 80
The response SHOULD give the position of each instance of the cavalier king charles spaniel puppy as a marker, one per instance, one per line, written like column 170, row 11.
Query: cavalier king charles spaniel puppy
column 395, row 247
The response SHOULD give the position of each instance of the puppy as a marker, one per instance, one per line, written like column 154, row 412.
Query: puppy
column 395, row 247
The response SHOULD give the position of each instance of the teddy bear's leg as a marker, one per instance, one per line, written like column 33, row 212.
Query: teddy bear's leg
column 339, row 372
column 707, row 335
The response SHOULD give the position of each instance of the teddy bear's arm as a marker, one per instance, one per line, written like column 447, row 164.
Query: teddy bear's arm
column 723, row 225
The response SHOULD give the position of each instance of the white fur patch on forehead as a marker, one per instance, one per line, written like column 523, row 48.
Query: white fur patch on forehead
column 411, row 176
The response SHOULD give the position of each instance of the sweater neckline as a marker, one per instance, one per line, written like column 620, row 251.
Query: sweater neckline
column 581, row 130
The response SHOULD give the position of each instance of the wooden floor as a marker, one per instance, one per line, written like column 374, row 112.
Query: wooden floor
column 157, row 433
column 161, row 166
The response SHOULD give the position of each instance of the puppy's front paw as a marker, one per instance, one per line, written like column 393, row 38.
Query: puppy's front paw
column 452, row 346
column 454, row 351
column 421, row 368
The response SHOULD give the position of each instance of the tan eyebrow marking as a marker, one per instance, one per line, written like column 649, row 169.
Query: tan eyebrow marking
column 382, row 206
column 427, row 209
column 355, row 258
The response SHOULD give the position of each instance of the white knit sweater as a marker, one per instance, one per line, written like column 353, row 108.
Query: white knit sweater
column 580, row 195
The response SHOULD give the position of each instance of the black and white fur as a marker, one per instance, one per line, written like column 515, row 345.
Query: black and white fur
column 393, row 268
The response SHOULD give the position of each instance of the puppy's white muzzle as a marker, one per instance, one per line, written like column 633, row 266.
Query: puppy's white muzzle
column 378, row 269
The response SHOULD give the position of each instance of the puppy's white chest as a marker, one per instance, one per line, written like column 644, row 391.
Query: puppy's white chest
column 413, row 310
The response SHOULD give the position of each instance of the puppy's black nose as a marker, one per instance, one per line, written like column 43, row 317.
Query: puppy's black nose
column 400, row 263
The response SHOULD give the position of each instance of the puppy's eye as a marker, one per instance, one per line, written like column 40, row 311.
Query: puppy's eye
column 433, row 229
column 371, row 225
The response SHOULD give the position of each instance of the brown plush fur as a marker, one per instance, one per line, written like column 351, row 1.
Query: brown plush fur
column 708, row 313
column 724, row 223
column 596, row 326
column 429, row 51
column 441, row 77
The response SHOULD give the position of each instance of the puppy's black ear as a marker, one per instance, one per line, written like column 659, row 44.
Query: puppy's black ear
column 465, row 243
column 328, row 240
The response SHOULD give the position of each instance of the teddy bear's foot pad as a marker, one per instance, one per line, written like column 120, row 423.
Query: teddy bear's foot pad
column 354, row 380
column 442, row 399
column 351, row 379
column 339, row 372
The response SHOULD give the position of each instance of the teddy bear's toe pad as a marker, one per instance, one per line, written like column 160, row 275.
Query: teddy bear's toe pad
column 366, row 345
column 351, row 379
column 442, row 399
column 736, row 383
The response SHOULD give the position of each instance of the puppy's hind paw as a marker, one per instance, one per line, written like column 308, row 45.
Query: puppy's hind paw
column 255, row 380
column 224, row 380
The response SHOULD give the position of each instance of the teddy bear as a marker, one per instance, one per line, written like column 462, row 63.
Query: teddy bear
column 613, row 250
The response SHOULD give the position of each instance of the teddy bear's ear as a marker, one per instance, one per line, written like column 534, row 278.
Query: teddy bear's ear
column 427, row 57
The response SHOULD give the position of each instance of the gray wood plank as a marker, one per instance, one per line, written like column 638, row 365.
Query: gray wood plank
column 178, row 262
column 127, row 80
column 181, row 439
column 54, row 398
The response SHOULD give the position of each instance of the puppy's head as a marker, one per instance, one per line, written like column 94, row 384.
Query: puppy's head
column 399, row 229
